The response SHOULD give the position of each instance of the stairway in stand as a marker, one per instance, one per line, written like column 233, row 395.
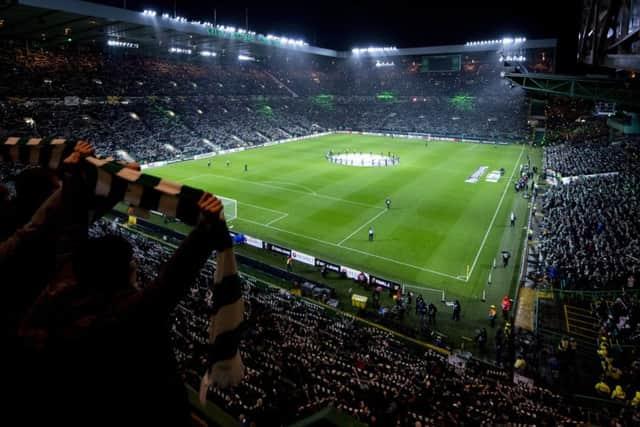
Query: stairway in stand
column 526, row 309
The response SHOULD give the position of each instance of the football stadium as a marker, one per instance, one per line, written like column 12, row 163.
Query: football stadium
column 217, row 215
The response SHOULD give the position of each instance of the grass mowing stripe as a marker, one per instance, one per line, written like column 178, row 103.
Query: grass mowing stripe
column 438, row 226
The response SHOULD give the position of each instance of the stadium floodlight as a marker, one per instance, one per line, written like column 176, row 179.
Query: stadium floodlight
column 166, row 16
column 373, row 50
column 149, row 12
column 285, row 40
column 118, row 43
column 245, row 58
column 208, row 53
column 385, row 64
column 180, row 50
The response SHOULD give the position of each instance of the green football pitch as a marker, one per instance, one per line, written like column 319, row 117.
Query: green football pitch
column 440, row 232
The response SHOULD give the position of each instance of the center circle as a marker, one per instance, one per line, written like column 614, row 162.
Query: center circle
column 363, row 160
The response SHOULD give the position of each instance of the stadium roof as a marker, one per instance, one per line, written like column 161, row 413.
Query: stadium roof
column 57, row 21
column 52, row 22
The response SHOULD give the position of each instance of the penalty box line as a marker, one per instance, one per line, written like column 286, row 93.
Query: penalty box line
column 281, row 214
column 347, row 248
column 278, row 187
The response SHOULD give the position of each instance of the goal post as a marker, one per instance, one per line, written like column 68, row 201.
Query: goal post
column 230, row 208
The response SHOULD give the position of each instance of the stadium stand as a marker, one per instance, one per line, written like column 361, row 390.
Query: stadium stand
column 159, row 109
column 300, row 356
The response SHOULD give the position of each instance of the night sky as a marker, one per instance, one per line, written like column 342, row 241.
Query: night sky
column 344, row 25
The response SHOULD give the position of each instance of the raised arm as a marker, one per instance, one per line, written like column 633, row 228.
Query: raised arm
column 63, row 207
column 182, row 268
column 226, row 367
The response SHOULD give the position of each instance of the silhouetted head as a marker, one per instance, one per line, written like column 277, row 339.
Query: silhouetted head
column 33, row 187
column 7, row 214
column 105, row 264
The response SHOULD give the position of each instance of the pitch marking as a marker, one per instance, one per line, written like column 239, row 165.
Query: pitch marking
column 495, row 214
column 395, row 261
column 292, row 185
column 278, row 219
column 324, row 196
column 361, row 227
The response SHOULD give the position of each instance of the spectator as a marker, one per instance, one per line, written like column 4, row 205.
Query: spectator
column 103, row 320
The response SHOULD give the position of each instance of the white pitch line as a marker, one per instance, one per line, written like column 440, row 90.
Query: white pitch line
column 395, row 261
column 361, row 227
column 283, row 216
column 293, row 185
column 325, row 196
column 287, row 231
column 495, row 214
column 263, row 208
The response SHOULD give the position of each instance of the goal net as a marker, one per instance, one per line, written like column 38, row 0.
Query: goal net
column 230, row 207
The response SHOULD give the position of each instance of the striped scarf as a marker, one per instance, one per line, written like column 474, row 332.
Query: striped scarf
column 109, row 178
column 117, row 182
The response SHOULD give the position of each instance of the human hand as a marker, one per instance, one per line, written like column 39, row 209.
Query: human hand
column 81, row 150
column 211, row 208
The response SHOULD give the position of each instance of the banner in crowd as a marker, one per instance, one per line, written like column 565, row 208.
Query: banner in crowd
column 569, row 179
column 459, row 363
